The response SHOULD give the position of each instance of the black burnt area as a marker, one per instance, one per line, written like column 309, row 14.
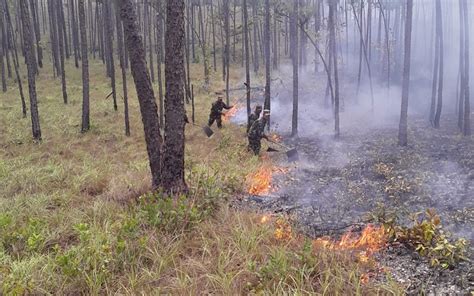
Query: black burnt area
column 335, row 186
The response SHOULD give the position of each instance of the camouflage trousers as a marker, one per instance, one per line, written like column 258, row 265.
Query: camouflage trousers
column 255, row 145
column 217, row 118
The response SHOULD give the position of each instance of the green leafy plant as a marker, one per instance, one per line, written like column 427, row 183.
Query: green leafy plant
column 427, row 236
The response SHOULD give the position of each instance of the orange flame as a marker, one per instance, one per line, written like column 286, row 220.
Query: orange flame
column 260, row 181
column 275, row 138
column 231, row 113
column 372, row 239
column 264, row 219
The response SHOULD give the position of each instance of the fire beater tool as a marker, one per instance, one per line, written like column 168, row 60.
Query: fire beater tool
column 206, row 129
column 291, row 153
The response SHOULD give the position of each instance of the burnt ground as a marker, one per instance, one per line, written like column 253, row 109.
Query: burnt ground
column 339, row 183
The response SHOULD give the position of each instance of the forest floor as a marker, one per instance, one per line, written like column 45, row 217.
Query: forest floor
column 344, row 184
column 75, row 217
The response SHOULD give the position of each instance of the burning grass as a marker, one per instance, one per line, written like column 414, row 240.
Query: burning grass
column 231, row 112
column 260, row 181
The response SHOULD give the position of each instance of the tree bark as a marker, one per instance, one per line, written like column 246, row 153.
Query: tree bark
column 467, row 104
column 61, row 52
column 247, row 56
column 120, row 45
column 173, row 151
column 403, row 128
column 267, row 58
column 294, row 58
column 85, row 69
column 30, row 64
column 146, row 97
column 439, row 30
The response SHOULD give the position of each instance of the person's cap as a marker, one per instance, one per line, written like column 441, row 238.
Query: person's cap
column 258, row 107
column 266, row 111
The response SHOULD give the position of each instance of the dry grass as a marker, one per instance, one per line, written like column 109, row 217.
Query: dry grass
column 71, row 221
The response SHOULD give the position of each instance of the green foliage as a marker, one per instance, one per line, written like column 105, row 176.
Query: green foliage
column 427, row 236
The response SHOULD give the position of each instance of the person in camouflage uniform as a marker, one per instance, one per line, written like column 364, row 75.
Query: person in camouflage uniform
column 254, row 117
column 256, row 133
column 216, row 112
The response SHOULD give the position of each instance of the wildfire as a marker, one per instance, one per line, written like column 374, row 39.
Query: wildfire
column 260, row 181
column 231, row 113
column 275, row 138
column 372, row 239
column 264, row 219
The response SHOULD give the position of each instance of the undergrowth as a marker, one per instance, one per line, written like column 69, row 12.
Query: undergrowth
column 76, row 218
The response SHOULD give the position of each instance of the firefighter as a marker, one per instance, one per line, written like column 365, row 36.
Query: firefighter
column 254, row 117
column 257, row 133
column 216, row 111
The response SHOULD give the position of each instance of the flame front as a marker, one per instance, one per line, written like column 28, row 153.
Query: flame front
column 260, row 181
column 372, row 239
column 230, row 113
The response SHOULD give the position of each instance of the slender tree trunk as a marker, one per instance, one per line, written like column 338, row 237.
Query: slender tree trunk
column 146, row 98
column 110, row 48
column 332, row 33
column 213, row 26
column 39, row 49
column 247, row 56
column 294, row 58
column 227, row 51
column 467, row 104
column 255, row 39
column 30, row 64
column 461, row 68
column 16, row 63
column 439, row 29
column 267, row 58
column 120, row 45
column 61, row 53
column 403, row 129
column 159, row 19
column 85, row 69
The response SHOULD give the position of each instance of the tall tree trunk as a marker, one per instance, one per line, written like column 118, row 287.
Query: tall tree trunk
column 85, row 69
column 61, row 53
column 467, row 103
column 39, row 49
column 202, row 39
column 120, row 45
column 255, row 38
column 267, row 58
column 403, row 129
column 173, row 151
column 159, row 19
column 146, row 98
column 247, row 56
column 227, row 47
column 110, row 48
column 439, row 29
column 16, row 63
column 461, row 67
column 294, row 58
column 332, row 37
column 213, row 26
column 30, row 65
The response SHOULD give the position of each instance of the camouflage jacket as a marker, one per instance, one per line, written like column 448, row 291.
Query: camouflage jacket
column 252, row 118
column 218, row 106
column 256, row 131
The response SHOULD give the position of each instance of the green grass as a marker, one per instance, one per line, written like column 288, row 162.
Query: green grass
column 75, row 216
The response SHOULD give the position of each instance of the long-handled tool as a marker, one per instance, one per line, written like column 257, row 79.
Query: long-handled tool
column 291, row 153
